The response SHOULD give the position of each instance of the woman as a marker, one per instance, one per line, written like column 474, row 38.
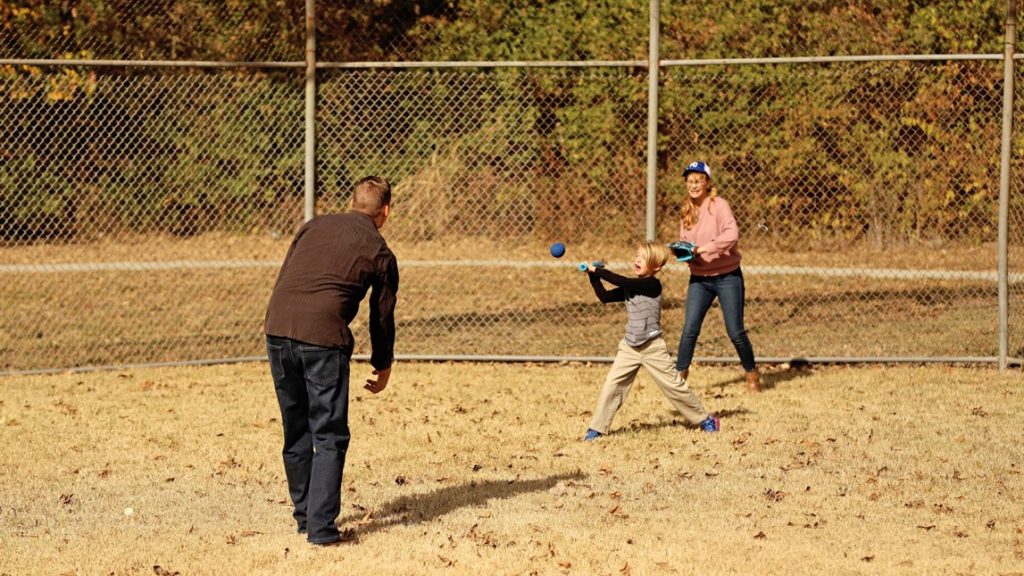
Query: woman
column 707, row 222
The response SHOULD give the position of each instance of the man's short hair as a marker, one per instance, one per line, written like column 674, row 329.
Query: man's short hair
column 371, row 195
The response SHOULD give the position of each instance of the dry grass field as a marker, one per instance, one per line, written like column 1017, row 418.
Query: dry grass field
column 479, row 469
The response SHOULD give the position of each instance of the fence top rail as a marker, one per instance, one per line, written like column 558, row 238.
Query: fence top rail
column 302, row 64
column 147, row 63
column 490, row 64
column 835, row 59
column 505, row 64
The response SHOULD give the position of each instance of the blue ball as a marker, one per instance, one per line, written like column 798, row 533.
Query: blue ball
column 558, row 249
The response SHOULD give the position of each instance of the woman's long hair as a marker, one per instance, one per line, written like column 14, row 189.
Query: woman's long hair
column 688, row 212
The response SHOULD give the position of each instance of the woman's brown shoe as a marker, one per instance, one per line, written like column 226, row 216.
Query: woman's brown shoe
column 753, row 381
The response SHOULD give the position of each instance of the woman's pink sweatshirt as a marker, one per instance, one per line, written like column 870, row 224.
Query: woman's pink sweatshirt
column 717, row 233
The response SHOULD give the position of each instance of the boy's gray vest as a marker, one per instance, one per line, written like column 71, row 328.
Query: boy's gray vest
column 643, row 318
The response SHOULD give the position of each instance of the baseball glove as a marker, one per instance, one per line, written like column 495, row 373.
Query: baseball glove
column 683, row 251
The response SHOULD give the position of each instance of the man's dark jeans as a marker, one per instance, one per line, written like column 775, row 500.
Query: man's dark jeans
column 700, row 293
column 312, row 391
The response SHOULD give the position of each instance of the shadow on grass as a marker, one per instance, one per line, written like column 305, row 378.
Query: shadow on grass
column 673, row 423
column 769, row 380
column 723, row 414
column 797, row 369
column 419, row 508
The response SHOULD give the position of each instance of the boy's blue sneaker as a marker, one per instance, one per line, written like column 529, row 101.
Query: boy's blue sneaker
column 591, row 435
column 710, row 424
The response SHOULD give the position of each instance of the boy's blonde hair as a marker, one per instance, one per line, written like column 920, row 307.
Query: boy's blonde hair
column 656, row 255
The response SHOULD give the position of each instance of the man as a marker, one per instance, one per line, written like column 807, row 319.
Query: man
column 332, row 262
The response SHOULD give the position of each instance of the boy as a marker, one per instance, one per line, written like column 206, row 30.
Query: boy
column 643, row 344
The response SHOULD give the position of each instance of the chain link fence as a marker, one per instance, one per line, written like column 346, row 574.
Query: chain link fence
column 1015, row 227
column 865, row 218
column 145, row 210
column 128, row 204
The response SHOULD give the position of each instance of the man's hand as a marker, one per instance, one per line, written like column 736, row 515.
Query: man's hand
column 380, row 383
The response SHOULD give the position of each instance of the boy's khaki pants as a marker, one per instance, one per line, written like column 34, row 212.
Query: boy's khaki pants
column 652, row 355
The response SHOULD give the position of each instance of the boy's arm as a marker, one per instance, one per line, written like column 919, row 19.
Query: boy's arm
column 649, row 286
column 603, row 294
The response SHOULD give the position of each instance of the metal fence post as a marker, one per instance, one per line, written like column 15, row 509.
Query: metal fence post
column 1004, row 180
column 653, row 64
column 310, row 168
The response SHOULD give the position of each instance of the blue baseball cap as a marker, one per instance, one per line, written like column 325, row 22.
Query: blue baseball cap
column 697, row 167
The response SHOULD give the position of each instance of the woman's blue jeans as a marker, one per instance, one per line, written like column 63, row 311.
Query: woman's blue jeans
column 700, row 293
